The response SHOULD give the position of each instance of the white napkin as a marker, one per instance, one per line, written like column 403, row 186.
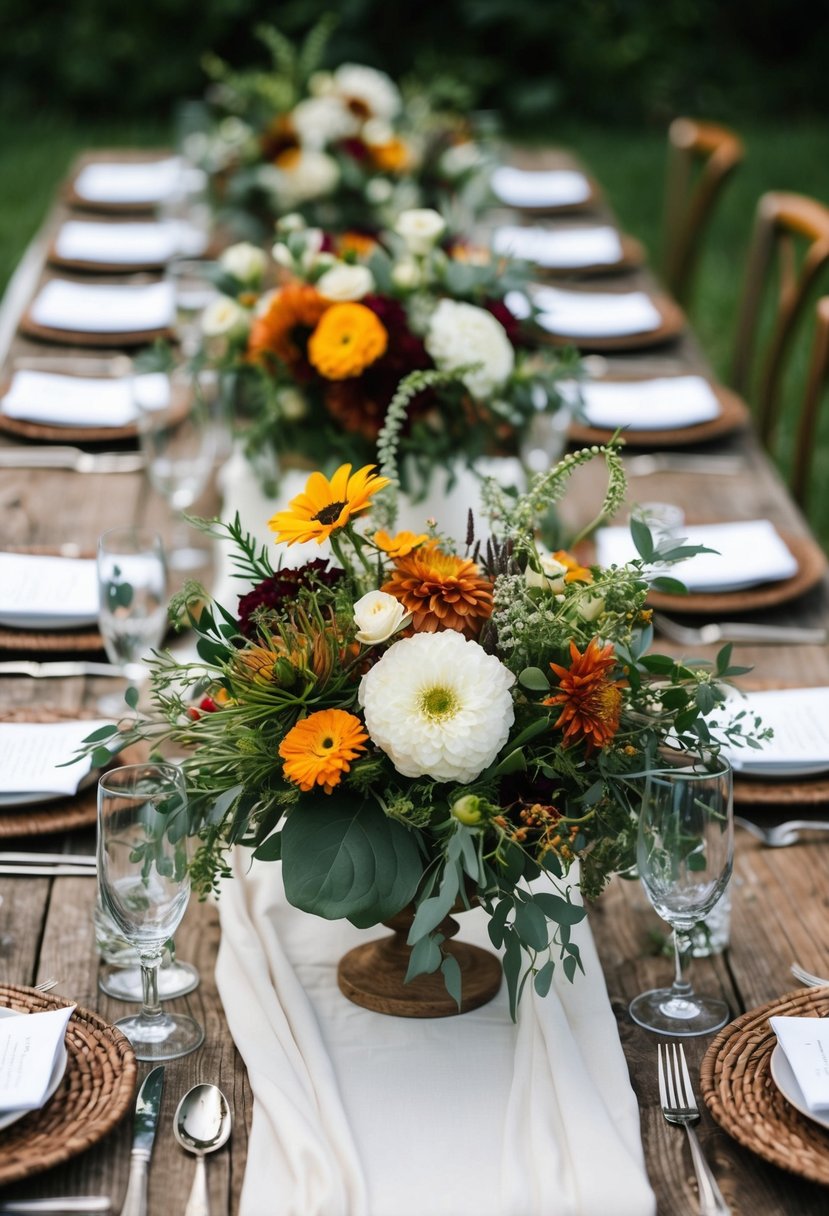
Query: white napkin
column 594, row 314
column 805, row 1042
column 799, row 718
column 749, row 553
column 29, row 1046
column 139, row 182
column 40, row 592
column 61, row 400
column 564, row 248
column 664, row 403
column 128, row 244
column 539, row 188
column 31, row 754
column 358, row 1114
column 104, row 308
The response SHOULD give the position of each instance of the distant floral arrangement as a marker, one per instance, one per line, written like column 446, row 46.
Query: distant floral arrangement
column 412, row 723
column 318, row 357
column 344, row 147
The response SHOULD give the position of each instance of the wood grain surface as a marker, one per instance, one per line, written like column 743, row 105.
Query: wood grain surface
column 780, row 897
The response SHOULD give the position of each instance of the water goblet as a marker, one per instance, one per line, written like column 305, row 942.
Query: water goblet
column 120, row 976
column 685, row 853
column 132, row 597
column 178, row 433
column 194, row 287
column 144, row 886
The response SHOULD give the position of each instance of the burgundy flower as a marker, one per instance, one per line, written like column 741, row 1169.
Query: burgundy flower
column 282, row 588
column 510, row 322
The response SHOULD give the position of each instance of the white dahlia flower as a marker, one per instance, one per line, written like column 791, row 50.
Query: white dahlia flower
column 344, row 282
column 462, row 333
column 312, row 174
column 245, row 262
column 439, row 706
column 421, row 228
column 372, row 90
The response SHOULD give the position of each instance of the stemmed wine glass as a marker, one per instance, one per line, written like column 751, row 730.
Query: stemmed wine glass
column 685, row 854
column 144, row 886
column 132, row 598
column 194, row 287
column 179, row 439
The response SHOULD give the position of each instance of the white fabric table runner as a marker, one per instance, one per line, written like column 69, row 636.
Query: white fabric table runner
column 361, row 1114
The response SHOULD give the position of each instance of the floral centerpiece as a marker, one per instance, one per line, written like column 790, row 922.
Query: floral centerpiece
column 416, row 726
column 318, row 358
column 344, row 147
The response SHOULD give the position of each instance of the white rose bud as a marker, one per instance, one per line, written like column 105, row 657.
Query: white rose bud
column 245, row 262
column 344, row 282
column 223, row 317
column 421, row 228
column 377, row 616
column 551, row 577
column 292, row 222
column 282, row 255
column 406, row 275
column 293, row 405
column 590, row 606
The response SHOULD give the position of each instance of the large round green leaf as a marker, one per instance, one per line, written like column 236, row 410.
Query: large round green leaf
column 343, row 858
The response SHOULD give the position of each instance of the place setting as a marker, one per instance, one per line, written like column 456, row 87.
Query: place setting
column 78, row 313
column 71, row 400
column 141, row 183
column 121, row 247
column 599, row 320
column 566, row 248
column 543, row 191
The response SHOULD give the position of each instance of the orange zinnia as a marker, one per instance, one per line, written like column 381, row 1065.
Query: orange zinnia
column 441, row 591
column 293, row 312
column 591, row 702
column 324, row 506
column 320, row 748
column 347, row 340
column 399, row 545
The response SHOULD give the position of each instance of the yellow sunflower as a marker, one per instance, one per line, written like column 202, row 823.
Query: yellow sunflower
column 347, row 340
column 399, row 545
column 325, row 506
column 320, row 748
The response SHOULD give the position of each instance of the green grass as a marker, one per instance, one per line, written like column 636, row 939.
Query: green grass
column 630, row 164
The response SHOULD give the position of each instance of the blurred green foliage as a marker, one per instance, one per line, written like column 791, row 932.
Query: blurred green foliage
column 611, row 60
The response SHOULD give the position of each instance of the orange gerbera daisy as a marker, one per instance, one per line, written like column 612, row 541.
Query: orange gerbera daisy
column 347, row 340
column 591, row 702
column 293, row 312
column 399, row 545
column 576, row 573
column 325, row 506
column 441, row 591
column 320, row 748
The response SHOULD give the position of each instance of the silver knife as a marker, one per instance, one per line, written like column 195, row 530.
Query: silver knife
column 58, row 1206
column 146, row 1120
column 72, row 459
column 25, row 667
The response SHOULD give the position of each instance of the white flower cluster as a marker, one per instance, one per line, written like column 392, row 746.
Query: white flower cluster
column 461, row 334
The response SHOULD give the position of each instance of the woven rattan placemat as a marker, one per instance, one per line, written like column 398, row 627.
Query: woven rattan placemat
column 738, row 1089
column 96, row 1092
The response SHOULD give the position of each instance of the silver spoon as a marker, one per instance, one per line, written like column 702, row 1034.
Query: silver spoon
column 202, row 1124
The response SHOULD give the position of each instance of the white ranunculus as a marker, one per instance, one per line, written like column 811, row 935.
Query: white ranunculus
column 552, row 573
column 292, row 222
column 379, row 190
column 344, row 282
column 377, row 616
column 322, row 120
column 292, row 404
column 406, row 275
column 223, row 317
column 439, row 706
column 376, row 132
column 245, row 262
column 421, row 229
column 461, row 333
column 312, row 174
column 373, row 90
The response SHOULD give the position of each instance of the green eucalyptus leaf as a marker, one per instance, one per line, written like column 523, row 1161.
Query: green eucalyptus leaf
column 535, row 679
column 544, row 978
column 558, row 909
column 452, row 978
column 531, row 924
column 103, row 732
column 270, row 849
column 432, row 911
column 425, row 957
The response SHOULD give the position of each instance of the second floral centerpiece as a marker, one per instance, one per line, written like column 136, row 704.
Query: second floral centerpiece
column 409, row 727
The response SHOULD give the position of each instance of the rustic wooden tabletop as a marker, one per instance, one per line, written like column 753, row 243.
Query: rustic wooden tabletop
column 780, row 896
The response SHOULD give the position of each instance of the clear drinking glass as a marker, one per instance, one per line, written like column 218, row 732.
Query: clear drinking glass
column 194, row 287
column 144, row 886
column 120, row 977
column 684, row 855
column 132, row 598
column 179, row 437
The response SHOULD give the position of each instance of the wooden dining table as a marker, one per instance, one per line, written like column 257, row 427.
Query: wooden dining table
column 780, row 896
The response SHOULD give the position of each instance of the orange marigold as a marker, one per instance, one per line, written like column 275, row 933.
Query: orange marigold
column 320, row 748
column 283, row 328
column 347, row 340
column 399, row 545
column 441, row 591
column 591, row 703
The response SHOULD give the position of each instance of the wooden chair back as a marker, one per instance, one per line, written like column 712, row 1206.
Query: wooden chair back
column 817, row 383
column 783, row 223
column 701, row 156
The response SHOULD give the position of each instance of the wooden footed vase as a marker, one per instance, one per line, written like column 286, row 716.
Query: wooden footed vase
column 372, row 975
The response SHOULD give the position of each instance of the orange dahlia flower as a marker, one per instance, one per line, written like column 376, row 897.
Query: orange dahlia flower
column 324, row 506
column 282, row 330
column 441, row 591
column 347, row 340
column 320, row 748
column 591, row 703
column 399, row 545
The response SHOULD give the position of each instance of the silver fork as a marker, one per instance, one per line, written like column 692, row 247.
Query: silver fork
column 679, row 1106
column 47, row 985
column 784, row 834
column 73, row 459
column 646, row 463
column 806, row 977
column 737, row 631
